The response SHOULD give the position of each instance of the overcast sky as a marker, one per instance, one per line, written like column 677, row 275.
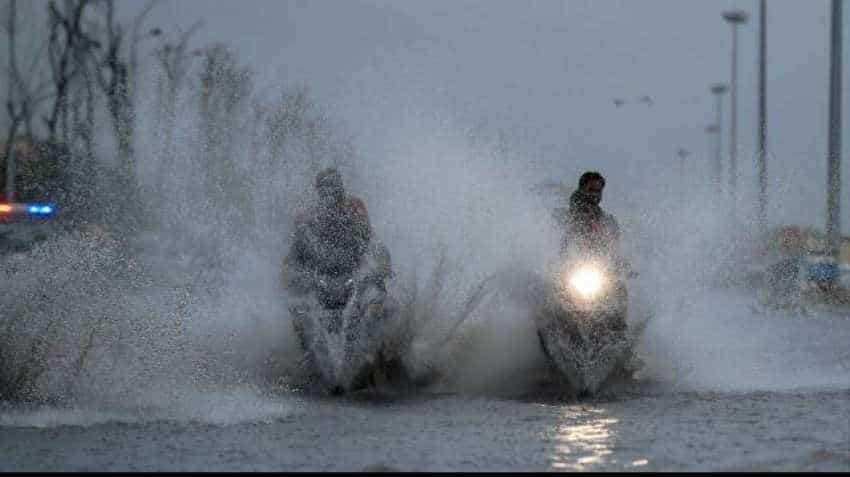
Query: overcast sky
column 546, row 73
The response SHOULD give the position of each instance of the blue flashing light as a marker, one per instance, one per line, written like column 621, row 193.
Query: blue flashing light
column 40, row 209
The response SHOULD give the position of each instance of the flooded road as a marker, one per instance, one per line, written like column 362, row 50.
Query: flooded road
column 778, row 431
column 726, row 385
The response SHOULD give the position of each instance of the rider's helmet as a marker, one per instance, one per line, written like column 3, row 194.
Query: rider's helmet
column 329, row 186
column 590, row 186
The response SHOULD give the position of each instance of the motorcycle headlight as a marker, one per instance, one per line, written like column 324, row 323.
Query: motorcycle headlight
column 587, row 281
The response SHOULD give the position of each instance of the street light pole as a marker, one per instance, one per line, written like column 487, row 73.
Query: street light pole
column 833, row 201
column 10, row 173
column 735, row 18
column 710, row 131
column 711, row 145
column 719, row 90
column 10, row 156
column 762, row 133
column 683, row 154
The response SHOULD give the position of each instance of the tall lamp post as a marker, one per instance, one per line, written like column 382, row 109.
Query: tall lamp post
column 710, row 131
column 762, row 132
column 719, row 89
column 683, row 154
column 833, row 201
column 10, row 159
column 735, row 18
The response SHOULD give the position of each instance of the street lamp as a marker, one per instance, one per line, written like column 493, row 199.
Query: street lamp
column 10, row 171
column 683, row 154
column 710, row 131
column 762, row 133
column 719, row 89
column 833, row 201
column 10, row 159
column 735, row 18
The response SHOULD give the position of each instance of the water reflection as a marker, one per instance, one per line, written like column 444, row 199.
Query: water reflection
column 584, row 438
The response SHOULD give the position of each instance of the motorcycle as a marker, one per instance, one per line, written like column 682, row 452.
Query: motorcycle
column 345, row 324
column 582, row 321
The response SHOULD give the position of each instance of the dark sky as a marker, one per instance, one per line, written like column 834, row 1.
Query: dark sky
column 546, row 73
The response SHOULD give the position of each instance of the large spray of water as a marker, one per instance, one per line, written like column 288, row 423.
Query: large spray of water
column 194, row 305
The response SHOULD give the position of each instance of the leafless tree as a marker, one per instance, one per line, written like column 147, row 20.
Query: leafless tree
column 113, row 76
column 24, row 90
column 24, row 95
column 284, row 122
column 224, row 88
column 66, row 36
column 115, row 71
column 174, row 62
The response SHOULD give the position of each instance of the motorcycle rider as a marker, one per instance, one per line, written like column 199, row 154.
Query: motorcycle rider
column 331, row 237
column 587, row 224
column 593, row 230
column 331, row 241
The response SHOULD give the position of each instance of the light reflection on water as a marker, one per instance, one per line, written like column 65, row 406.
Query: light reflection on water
column 583, row 439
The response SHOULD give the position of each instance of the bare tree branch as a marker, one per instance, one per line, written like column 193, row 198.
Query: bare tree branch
column 61, row 53
column 184, row 38
column 35, row 58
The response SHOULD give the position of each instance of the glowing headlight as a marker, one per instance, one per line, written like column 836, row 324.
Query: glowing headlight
column 587, row 281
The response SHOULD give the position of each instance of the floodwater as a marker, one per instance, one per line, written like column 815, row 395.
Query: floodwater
column 774, row 397
column 791, row 431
